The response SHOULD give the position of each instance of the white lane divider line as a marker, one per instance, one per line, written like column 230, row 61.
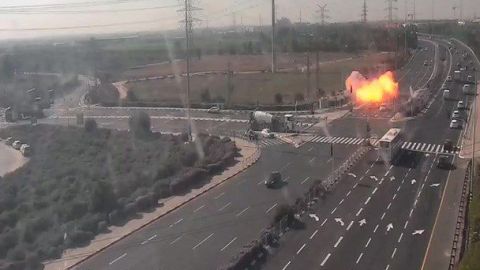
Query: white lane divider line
column 199, row 208
column 393, row 253
column 383, row 216
column 203, row 241
column 229, row 243
column 389, row 205
column 326, row 259
column 375, row 230
column 359, row 211
column 350, row 225
column 359, row 258
column 375, row 190
column 271, row 208
column 241, row 212
column 338, row 242
column 176, row 240
column 117, row 259
column 323, row 223
column 225, row 206
column 286, row 265
column 219, row 195
column 348, row 193
column 400, row 238
column 368, row 242
column 313, row 234
column 341, row 201
column 368, row 200
column 305, row 180
column 406, row 224
column 333, row 211
column 388, row 267
column 301, row 248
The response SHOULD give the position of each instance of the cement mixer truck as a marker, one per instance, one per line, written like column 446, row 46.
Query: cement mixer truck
column 262, row 120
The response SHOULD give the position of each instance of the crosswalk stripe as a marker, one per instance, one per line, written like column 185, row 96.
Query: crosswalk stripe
column 320, row 139
column 337, row 140
column 428, row 147
column 351, row 140
column 408, row 145
column 423, row 146
column 413, row 146
column 357, row 141
column 324, row 139
column 438, row 148
column 403, row 145
column 344, row 141
column 317, row 139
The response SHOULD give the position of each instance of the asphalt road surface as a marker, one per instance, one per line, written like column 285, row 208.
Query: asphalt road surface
column 383, row 217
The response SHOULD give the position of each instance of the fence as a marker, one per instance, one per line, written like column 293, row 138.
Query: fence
column 460, row 238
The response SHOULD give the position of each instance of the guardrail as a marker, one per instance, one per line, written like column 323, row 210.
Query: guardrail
column 460, row 232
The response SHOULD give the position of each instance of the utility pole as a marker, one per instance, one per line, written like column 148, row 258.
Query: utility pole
column 229, row 85
column 274, row 51
column 461, row 9
column 188, row 22
column 307, row 96
column 390, row 8
column 414, row 10
column 323, row 13
column 364, row 12
column 317, row 71
column 234, row 21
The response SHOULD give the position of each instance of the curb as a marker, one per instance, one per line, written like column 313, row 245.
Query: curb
column 255, row 155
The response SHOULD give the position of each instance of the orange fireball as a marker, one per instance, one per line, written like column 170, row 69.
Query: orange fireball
column 376, row 90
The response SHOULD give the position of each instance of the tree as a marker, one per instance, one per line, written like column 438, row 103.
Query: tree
column 90, row 125
column 139, row 124
column 102, row 198
column 299, row 97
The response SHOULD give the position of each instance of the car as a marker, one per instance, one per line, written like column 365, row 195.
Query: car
column 470, row 79
column 9, row 141
column 425, row 63
column 460, row 105
column 17, row 145
column 214, row 109
column 446, row 94
column 455, row 124
column 449, row 78
column 267, row 133
column 456, row 115
column 443, row 162
column 25, row 149
column 448, row 145
column 274, row 179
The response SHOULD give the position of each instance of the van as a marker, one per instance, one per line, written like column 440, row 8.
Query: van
column 25, row 149
column 446, row 94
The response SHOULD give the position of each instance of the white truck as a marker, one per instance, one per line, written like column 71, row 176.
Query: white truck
column 262, row 120
column 457, row 75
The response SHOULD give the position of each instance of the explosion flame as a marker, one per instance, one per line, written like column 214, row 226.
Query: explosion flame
column 376, row 90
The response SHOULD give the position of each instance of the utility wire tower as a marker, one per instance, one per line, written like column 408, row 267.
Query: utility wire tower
column 188, row 22
column 274, row 50
column 390, row 9
column 364, row 11
column 323, row 13
column 461, row 9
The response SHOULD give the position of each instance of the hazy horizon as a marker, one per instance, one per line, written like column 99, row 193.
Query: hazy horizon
column 49, row 18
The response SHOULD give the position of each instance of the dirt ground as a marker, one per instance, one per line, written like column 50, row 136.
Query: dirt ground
column 237, row 62
column 252, row 88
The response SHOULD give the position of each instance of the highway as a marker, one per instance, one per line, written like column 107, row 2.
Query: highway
column 383, row 217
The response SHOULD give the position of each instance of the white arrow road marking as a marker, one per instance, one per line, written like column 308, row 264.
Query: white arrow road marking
column 419, row 232
column 392, row 178
column 340, row 221
column 434, row 185
column 362, row 222
column 389, row 227
column 315, row 217
column 373, row 177
column 414, row 181
column 352, row 175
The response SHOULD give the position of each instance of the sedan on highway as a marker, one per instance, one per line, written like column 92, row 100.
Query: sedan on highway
column 455, row 124
column 456, row 115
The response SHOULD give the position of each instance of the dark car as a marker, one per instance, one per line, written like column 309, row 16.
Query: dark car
column 443, row 162
column 448, row 145
column 273, row 180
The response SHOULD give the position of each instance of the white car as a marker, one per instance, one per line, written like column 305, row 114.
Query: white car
column 461, row 105
column 214, row 110
column 455, row 124
column 267, row 134
column 17, row 145
column 456, row 115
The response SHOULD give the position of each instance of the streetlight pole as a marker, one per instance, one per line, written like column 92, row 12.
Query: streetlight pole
column 187, row 37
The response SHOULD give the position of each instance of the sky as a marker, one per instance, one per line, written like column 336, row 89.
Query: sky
column 38, row 18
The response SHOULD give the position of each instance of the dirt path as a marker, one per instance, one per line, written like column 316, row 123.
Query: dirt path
column 10, row 159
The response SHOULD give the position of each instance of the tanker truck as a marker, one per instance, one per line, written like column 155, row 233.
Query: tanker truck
column 262, row 120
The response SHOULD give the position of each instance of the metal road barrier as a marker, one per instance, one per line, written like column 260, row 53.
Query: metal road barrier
column 461, row 237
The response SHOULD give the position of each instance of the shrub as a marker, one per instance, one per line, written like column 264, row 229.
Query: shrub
column 90, row 125
column 78, row 238
column 139, row 124
column 145, row 202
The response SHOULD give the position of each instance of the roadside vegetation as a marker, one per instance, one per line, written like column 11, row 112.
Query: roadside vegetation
column 471, row 260
column 79, row 181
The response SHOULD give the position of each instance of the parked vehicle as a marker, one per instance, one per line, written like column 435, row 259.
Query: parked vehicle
column 267, row 133
column 17, row 145
column 25, row 149
column 468, row 89
column 9, row 141
column 456, row 115
column 446, row 94
column 461, row 105
column 448, row 145
column 214, row 109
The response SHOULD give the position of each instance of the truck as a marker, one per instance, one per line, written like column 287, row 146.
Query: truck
column 262, row 120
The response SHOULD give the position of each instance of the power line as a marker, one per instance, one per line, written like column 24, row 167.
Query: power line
column 70, row 5
column 390, row 9
column 323, row 13
column 27, row 12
